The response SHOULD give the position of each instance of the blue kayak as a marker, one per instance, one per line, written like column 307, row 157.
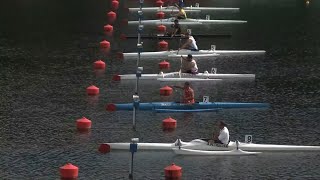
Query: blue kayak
column 180, row 107
column 185, row 110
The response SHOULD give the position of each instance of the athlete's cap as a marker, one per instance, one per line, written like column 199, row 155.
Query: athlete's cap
column 189, row 55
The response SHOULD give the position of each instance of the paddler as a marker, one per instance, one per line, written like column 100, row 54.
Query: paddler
column 176, row 28
column 188, row 95
column 190, row 44
column 223, row 136
column 189, row 65
column 181, row 14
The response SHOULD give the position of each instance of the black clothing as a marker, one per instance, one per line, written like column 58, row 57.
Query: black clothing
column 178, row 28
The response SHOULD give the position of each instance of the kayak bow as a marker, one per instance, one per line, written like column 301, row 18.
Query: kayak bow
column 188, row 21
column 176, row 76
column 178, row 53
column 187, row 9
column 161, row 36
column 185, row 110
column 180, row 107
column 199, row 144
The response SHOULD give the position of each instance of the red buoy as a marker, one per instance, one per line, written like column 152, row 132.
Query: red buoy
column 111, row 107
column 123, row 37
column 164, row 65
column 116, row 77
column 169, row 124
column 92, row 90
column 104, row 148
column 83, row 124
column 99, row 65
column 163, row 45
column 165, row 91
column 108, row 29
column 114, row 5
column 105, row 44
column 160, row 15
column 112, row 16
column 69, row 171
column 173, row 171
column 159, row 3
column 161, row 29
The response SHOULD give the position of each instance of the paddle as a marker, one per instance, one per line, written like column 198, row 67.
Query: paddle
column 237, row 143
column 178, row 143
column 180, row 66
column 179, row 46
column 180, row 58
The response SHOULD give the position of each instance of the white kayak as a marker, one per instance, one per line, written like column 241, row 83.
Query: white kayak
column 186, row 79
column 170, row 9
column 200, row 53
column 175, row 76
column 187, row 9
column 199, row 144
column 234, row 152
column 188, row 21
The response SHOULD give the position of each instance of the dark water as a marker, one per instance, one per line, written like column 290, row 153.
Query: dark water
column 46, row 53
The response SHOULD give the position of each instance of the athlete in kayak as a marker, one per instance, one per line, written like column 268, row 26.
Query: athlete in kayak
column 188, row 94
column 223, row 136
column 176, row 28
column 189, row 65
column 190, row 44
column 181, row 14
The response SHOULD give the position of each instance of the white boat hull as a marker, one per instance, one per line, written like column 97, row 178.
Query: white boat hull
column 195, row 55
column 187, row 9
column 199, row 144
column 185, row 79
column 200, row 53
column 188, row 21
column 176, row 76
column 192, row 152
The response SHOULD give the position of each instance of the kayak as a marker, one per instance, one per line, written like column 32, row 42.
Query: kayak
column 176, row 76
column 170, row 9
column 187, row 9
column 234, row 152
column 179, row 53
column 199, row 144
column 186, row 110
column 162, row 36
column 188, row 21
column 186, row 79
column 196, row 107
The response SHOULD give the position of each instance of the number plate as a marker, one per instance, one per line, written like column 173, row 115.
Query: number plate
column 206, row 99
column 248, row 138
